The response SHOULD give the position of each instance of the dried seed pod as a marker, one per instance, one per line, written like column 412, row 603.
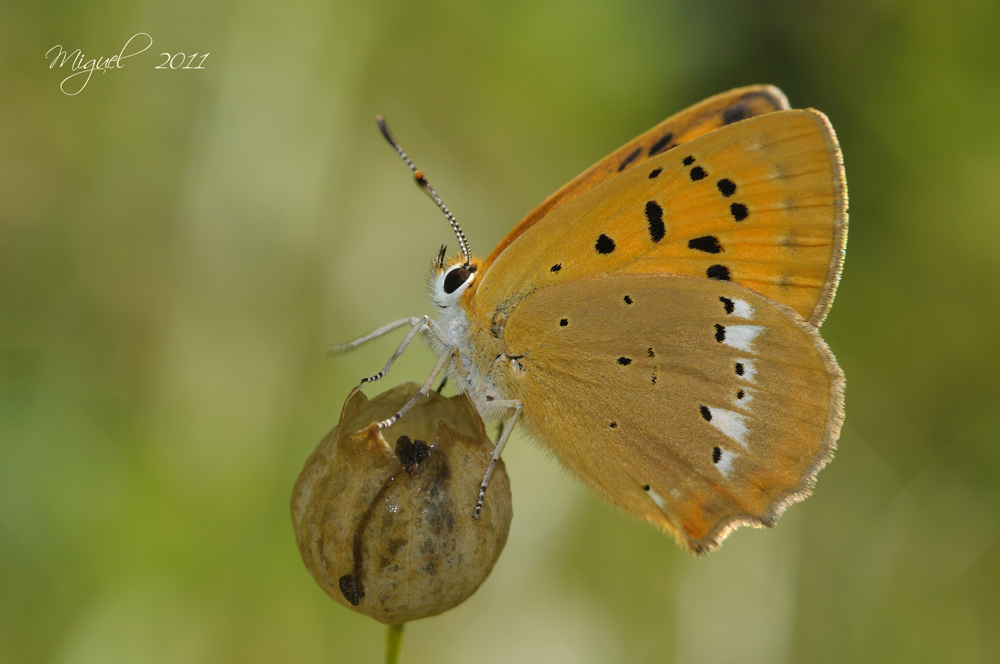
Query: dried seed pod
column 384, row 520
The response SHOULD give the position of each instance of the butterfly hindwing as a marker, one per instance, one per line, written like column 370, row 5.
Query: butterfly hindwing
column 718, row 111
column 761, row 203
column 695, row 404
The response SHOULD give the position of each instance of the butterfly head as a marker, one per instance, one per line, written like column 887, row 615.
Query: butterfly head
column 451, row 277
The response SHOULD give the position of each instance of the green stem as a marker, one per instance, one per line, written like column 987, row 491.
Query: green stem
column 392, row 643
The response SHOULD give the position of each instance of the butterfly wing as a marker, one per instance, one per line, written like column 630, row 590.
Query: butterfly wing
column 761, row 203
column 695, row 404
column 692, row 122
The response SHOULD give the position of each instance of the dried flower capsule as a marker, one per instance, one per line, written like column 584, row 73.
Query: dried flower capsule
column 384, row 520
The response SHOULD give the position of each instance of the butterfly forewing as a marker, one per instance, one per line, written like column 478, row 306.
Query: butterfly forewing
column 693, row 403
column 760, row 203
column 718, row 111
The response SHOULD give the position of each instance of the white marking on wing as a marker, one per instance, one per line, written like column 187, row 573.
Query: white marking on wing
column 657, row 498
column 748, row 369
column 742, row 336
column 731, row 423
column 742, row 309
column 745, row 401
column 725, row 464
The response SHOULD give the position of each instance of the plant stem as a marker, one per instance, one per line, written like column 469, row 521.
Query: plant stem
column 392, row 643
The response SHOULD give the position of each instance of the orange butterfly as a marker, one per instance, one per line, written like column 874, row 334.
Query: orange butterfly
column 654, row 322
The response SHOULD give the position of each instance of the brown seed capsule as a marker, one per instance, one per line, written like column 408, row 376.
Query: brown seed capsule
column 384, row 520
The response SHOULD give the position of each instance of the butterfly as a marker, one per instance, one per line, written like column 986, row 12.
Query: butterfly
column 654, row 323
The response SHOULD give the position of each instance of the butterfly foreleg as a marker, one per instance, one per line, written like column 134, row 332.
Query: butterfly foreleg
column 337, row 349
column 418, row 322
column 517, row 406
column 425, row 389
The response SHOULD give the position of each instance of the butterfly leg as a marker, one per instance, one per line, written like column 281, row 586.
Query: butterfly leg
column 425, row 389
column 418, row 322
column 517, row 406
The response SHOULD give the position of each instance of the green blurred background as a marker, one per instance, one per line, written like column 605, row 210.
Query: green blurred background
column 178, row 247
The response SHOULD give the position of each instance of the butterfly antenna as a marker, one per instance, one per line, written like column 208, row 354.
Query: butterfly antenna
column 426, row 187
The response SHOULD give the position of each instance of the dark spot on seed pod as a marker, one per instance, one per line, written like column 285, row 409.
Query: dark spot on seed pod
column 411, row 453
column 350, row 588
column 430, row 568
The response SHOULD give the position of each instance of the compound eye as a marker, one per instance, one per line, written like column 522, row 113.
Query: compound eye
column 454, row 279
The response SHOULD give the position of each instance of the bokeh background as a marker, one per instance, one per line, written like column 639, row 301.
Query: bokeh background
column 178, row 247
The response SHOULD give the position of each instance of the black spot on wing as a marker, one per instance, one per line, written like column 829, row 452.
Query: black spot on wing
column 728, row 304
column 740, row 394
column 604, row 244
column 739, row 211
column 706, row 413
column 698, row 173
column 628, row 300
column 739, row 369
column 651, row 353
column 720, row 332
column 654, row 215
column 662, row 144
column 717, row 455
column 720, row 272
column 655, row 172
column 709, row 244
column 629, row 159
column 613, row 425
column 726, row 186
column 735, row 113
column 556, row 267
column 563, row 323
column 688, row 160
column 624, row 361
column 645, row 488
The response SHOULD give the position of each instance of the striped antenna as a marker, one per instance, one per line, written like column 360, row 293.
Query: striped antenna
column 426, row 187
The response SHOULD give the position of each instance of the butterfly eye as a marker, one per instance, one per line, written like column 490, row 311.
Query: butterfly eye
column 456, row 278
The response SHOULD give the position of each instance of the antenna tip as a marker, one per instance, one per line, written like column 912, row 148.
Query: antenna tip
column 418, row 175
column 384, row 128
